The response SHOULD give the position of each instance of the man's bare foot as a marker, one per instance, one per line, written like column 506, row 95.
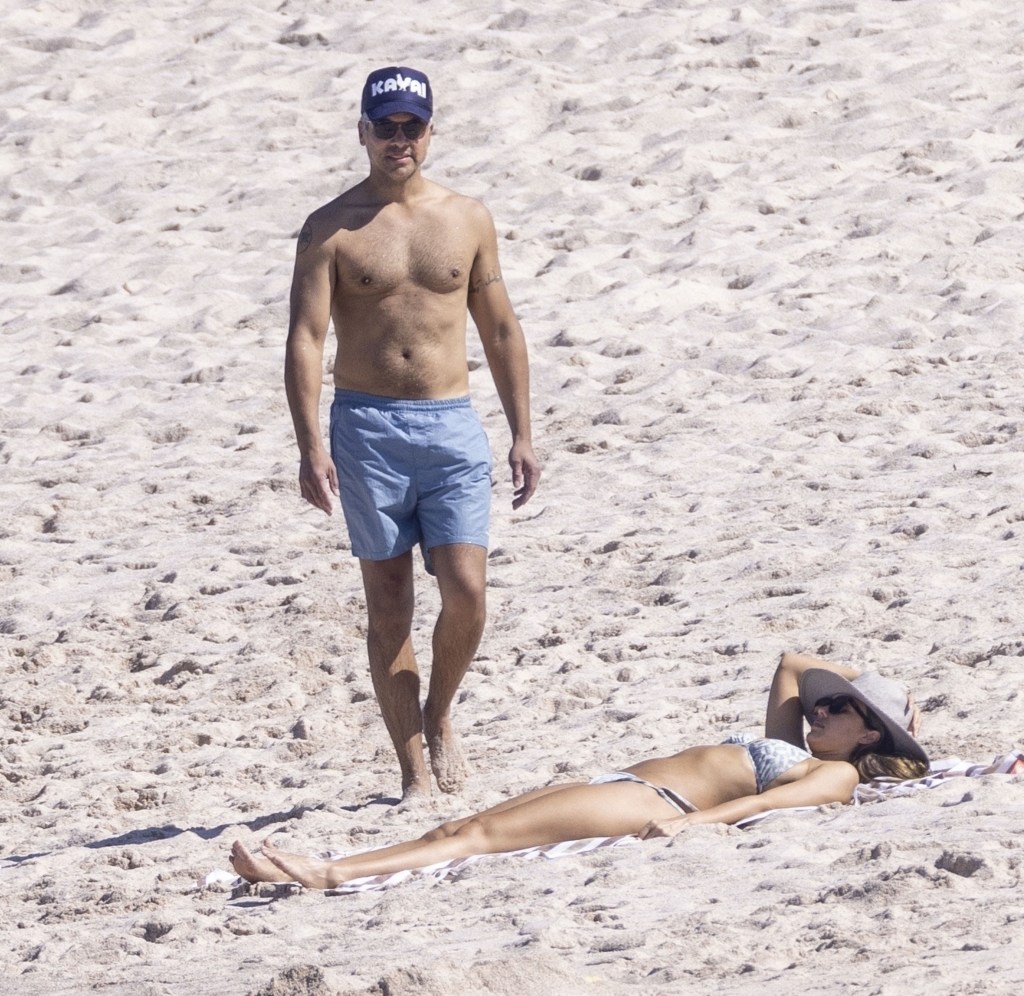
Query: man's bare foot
column 446, row 760
column 253, row 868
column 416, row 788
column 416, row 792
column 314, row 873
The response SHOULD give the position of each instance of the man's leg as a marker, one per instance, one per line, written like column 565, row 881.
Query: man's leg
column 461, row 570
column 389, row 605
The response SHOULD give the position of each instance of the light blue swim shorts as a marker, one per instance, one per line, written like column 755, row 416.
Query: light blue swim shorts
column 410, row 472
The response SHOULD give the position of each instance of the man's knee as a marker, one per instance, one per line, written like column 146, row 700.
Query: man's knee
column 468, row 599
column 388, row 586
column 462, row 576
column 394, row 617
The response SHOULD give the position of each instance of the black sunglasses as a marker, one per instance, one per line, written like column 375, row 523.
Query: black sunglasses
column 837, row 703
column 412, row 129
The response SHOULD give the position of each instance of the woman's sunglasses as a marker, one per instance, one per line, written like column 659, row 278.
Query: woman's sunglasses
column 837, row 703
column 385, row 130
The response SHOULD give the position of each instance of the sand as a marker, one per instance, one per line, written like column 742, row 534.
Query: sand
column 769, row 261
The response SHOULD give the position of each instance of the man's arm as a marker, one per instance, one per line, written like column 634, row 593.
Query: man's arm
column 505, row 348
column 311, row 294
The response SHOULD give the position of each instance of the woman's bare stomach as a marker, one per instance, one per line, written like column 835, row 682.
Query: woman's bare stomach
column 705, row 776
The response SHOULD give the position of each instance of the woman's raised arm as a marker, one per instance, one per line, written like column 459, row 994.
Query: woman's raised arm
column 784, row 718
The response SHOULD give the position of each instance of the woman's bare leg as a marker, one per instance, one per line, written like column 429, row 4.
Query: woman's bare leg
column 254, row 868
column 545, row 817
column 449, row 827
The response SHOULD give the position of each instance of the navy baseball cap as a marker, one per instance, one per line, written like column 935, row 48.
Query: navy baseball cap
column 397, row 90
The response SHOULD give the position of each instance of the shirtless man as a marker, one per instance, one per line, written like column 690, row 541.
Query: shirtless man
column 394, row 263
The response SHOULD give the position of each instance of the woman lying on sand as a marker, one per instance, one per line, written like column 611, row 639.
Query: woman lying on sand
column 862, row 727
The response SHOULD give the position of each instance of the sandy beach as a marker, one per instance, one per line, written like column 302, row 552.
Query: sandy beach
column 769, row 259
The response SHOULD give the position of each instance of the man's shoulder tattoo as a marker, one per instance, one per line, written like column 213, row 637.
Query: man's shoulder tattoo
column 489, row 278
column 305, row 237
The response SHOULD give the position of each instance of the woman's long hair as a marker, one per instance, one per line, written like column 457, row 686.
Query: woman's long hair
column 879, row 760
column 871, row 765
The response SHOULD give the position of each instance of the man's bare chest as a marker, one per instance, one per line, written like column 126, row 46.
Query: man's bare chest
column 385, row 257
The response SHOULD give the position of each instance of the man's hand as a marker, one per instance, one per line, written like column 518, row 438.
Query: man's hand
column 525, row 473
column 318, row 480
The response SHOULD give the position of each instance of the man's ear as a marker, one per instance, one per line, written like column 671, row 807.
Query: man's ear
column 359, row 131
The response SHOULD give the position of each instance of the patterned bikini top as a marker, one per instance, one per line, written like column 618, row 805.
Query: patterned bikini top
column 769, row 757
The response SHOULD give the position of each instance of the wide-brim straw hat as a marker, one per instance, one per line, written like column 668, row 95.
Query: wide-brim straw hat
column 886, row 699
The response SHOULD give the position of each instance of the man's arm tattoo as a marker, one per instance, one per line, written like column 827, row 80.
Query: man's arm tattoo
column 490, row 278
column 305, row 237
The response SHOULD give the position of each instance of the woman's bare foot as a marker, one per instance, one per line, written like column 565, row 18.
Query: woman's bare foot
column 446, row 760
column 314, row 873
column 253, row 868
